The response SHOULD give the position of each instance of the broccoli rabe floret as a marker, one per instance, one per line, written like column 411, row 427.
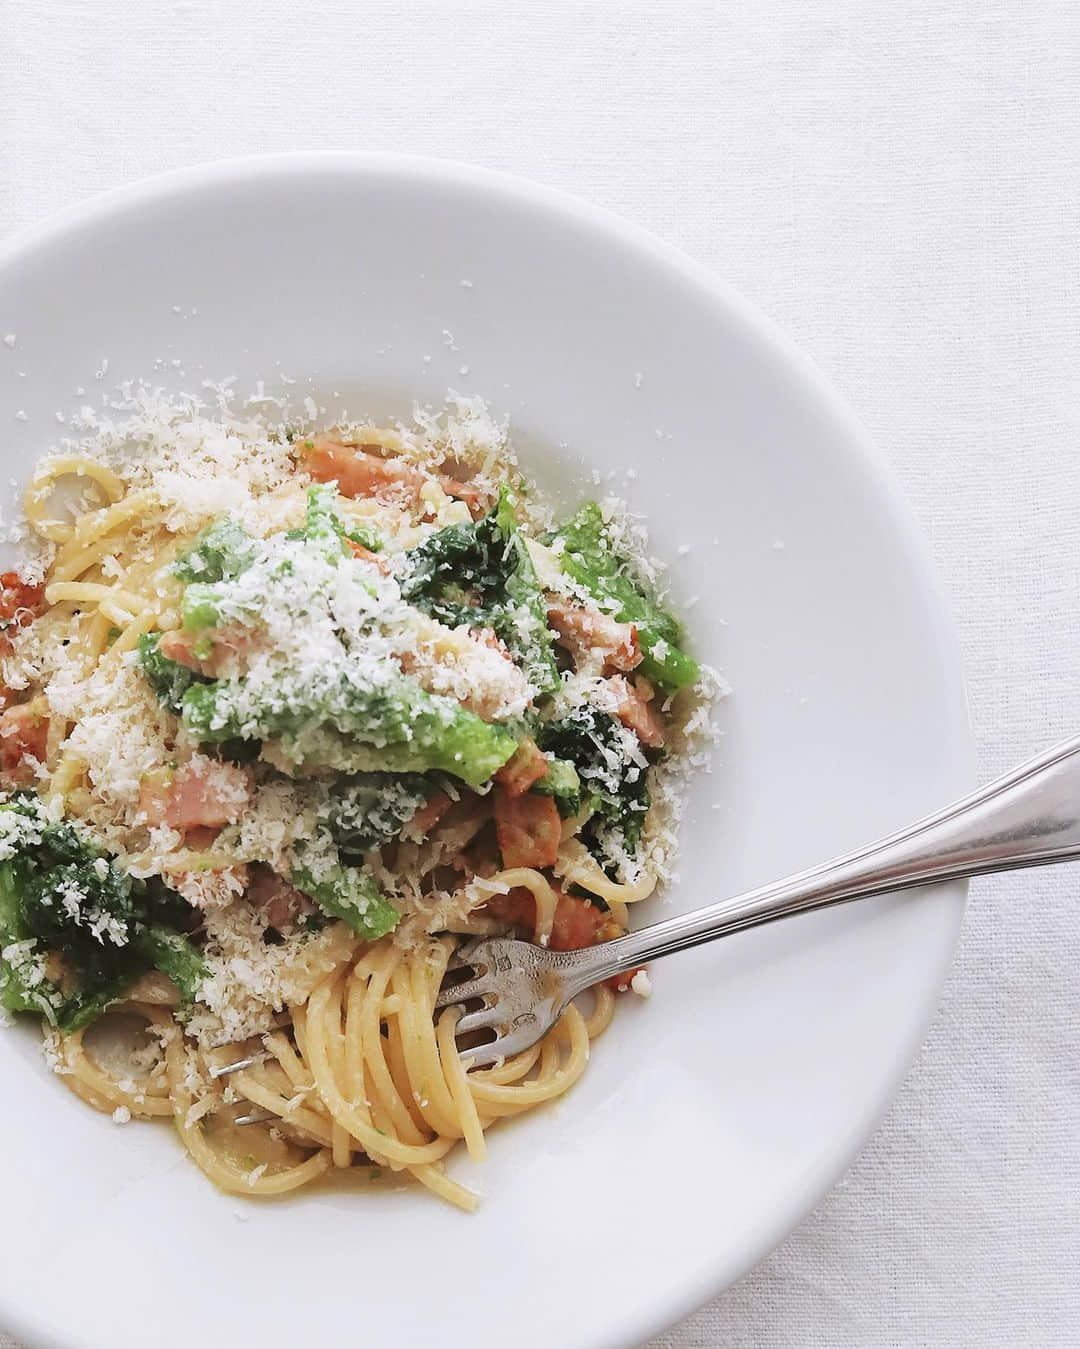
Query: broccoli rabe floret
column 220, row 551
column 524, row 629
column 173, row 954
column 324, row 527
column 208, row 589
column 74, row 928
column 585, row 554
column 411, row 730
column 168, row 678
column 200, row 608
column 561, row 781
column 481, row 574
column 352, row 816
column 349, row 894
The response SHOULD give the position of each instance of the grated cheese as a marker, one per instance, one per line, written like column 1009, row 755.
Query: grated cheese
column 312, row 620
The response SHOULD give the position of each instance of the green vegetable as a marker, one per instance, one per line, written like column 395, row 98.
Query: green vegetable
column 200, row 607
column 168, row 678
column 365, row 536
column 411, row 730
column 563, row 783
column 342, row 715
column 370, row 809
column 323, row 526
column 480, row 574
column 62, row 898
column 220, row 551
column 585, row 553
column 617, row 790
column 524, row 630
column 351, row 895
column 173, row 954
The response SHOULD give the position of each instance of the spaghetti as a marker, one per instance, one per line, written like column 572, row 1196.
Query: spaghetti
column 286, row 715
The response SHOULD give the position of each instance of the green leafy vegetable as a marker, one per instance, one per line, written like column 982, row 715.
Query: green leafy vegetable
column 74, row 929
column 351, row 895
column 480, row 574
column 200, row 608
column 614, row 786
column 354, row 710
column 585, row 553
column 562, row 782
column 168, row 678
column 173, row 954
column 404, row 728
column 370, row 809
column 324, row 527
column 220, row 551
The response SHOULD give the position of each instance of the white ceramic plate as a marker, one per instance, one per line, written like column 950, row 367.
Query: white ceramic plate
column 712, row 1117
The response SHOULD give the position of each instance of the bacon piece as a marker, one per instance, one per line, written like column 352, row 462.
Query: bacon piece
column 517, row 906
column 24, row 733
column 206, row 793
column 588, row 632
column 366, row 555
column 429, row 814
column 490, row 638
column 481, row 856
column 201, row 794
column 200, row 838
column 576, row 923
column 154, row 790
column 20, row 604
column 358, row 472
column 280, row 903
column 528, row 829
column 524, row 769
column 463, row 491
column 489, row 686
column 636, row 710
column 180, row 647
column 221, row 646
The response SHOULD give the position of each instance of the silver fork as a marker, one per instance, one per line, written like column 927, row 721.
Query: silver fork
column 1029, row 817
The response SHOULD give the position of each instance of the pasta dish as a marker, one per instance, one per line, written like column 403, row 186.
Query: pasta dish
column 289, row 712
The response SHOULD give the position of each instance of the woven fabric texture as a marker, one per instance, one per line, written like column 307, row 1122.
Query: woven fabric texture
column 898, row 183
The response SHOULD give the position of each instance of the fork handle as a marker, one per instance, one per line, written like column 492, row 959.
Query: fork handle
column 1030, row 817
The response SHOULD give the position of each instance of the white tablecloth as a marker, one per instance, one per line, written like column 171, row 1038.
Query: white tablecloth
column 898, row 183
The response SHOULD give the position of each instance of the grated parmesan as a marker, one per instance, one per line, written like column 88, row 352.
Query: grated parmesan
column 209, row 455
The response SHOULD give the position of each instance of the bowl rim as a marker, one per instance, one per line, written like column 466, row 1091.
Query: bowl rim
column 680, row 1296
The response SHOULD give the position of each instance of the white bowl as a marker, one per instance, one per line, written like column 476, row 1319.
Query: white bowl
column 713, row 1117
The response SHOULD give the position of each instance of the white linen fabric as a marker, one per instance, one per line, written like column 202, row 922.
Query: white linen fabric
column 898, row 183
